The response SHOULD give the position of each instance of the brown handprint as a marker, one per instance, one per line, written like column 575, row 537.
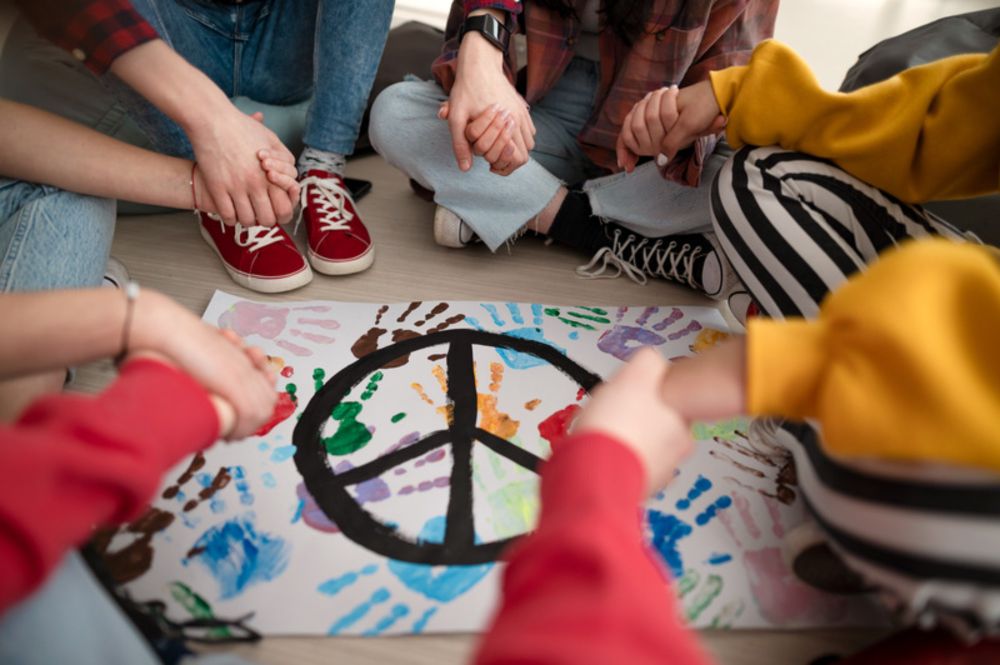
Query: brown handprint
column 134, row 559
column 369, row 341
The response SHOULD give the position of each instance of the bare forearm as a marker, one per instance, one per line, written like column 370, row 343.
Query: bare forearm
column 57, row 329
column 183, row 92
column 41, row 147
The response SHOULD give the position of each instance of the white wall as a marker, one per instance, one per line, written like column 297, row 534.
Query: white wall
column 434, row 12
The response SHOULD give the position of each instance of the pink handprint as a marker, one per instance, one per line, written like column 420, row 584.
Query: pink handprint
column 271, row 321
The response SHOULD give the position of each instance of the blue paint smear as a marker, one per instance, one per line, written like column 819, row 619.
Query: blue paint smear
column 421, row 623
column 721, row 503
column 263, row 445
column 242, row 487
column 700, row 486
column 268, row 479
column 298, row 511
column 334, row 586
column 667, row 532
column 355, row 615
column 189, row 521
column 180, row 496
column 450, row 582
column 495, row 314
column 574, row 335
column 204, row 479
column 282, row 453
column 536, row 314
column 397, row 612
column 238, row 556
column 719, row 559
column 217, row 505
column 515, row 313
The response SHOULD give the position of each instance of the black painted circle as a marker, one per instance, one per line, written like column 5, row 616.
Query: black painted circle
column 329, row 489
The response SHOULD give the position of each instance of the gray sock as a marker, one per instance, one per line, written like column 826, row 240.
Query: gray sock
column 331, row 162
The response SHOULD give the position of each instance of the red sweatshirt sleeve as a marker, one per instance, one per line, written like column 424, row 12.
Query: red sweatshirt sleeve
column 584, row 588
column 75, row 461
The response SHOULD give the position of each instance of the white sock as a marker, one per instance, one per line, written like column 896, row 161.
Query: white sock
column 331, row 162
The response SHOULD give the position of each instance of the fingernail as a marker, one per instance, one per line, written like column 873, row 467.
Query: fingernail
column 674, row 86
column 465, row 165
column 662, row 160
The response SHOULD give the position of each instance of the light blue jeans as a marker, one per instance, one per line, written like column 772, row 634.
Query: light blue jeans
column 406, row 131
column 51, row 239
column 276, row 52
column 71, row 619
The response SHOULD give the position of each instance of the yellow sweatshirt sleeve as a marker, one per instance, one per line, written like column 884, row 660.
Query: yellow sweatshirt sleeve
column 902, row 363
column 929, row 133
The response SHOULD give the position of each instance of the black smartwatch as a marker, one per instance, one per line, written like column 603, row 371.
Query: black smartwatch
column 489, row 27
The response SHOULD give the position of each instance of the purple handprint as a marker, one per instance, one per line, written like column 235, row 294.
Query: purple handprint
column 623, row 340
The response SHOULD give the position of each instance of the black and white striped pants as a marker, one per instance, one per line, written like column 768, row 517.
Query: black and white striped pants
column 926, row 536
column 795, row 227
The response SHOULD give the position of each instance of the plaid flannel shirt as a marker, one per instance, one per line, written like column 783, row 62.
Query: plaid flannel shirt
column 683, row 41
column 94, row 31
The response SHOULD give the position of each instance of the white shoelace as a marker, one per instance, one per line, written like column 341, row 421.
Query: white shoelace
column 255, row 237
column 609, row 261
column 251, row 237
column 636, row 258
column 332, row 199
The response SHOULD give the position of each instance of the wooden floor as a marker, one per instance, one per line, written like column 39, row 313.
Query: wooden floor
column 167, row 253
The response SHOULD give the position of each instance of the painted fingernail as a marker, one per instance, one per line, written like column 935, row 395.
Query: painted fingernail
column 662, row 160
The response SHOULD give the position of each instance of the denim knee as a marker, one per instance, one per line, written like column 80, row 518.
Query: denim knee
column 392, row 126
column 52, row 239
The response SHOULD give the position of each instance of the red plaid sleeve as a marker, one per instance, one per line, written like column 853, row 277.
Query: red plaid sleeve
column 510, row 6
column 94, row 31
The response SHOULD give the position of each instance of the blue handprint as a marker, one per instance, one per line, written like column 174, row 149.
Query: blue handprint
column 668, row 530
column 624, row 340
column 440, row 584
column 517, row 359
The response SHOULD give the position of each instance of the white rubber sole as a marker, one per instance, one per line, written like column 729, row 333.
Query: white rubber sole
column 261, row 284
column 341, row 268
column 448, row 229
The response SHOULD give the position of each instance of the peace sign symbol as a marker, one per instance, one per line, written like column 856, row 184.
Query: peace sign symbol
column 329, row 488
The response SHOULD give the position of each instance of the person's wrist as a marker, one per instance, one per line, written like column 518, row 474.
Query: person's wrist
column 149, row 330
column 478, row 52
column 204, row 105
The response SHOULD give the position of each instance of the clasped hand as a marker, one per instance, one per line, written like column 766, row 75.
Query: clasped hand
column 245, row 174
column 666, row 121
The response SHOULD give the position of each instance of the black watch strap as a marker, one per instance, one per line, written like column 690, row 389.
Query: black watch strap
column 489, row 27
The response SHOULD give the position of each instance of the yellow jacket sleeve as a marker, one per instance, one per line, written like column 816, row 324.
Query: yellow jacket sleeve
column 902, row 363
column 929, row 133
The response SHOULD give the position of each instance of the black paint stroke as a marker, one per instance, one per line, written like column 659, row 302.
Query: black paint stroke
column 504, row 448
column 329, row 489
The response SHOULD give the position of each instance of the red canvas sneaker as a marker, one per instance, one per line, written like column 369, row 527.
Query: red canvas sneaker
column 339, row 243
column 261, row 259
